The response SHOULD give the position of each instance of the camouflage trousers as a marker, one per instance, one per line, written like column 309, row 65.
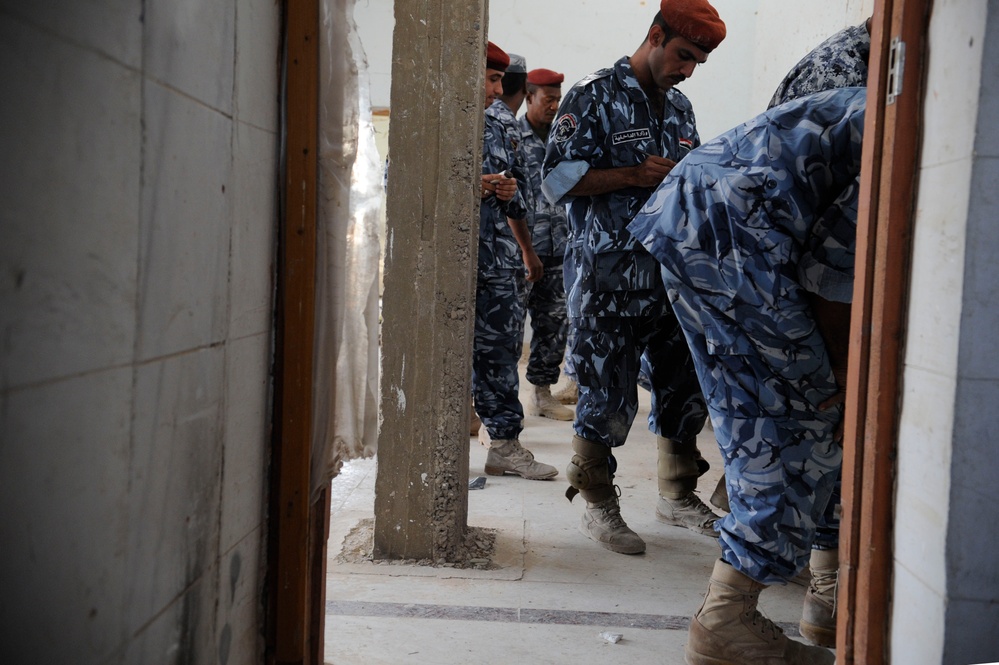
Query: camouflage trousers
column 764, row 376
column 570, row 369
column 569, row 269
column 496, row 349
column 549, row 324
column 607, row 354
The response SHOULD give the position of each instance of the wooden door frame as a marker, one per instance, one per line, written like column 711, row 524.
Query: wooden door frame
column 298, row 525
column 884, row 238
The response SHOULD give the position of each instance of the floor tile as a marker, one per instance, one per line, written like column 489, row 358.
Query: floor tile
column 554, row 591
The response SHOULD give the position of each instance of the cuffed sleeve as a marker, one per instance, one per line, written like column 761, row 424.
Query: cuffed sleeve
column 563, row 178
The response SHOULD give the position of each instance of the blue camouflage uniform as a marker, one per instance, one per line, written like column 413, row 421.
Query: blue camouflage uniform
column 745, row 228
column 616, row 300
column 838, row 62
column 545, row 297
column 500, row 287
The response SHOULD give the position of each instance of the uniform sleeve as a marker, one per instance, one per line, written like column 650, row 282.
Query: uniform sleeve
column 827, row 265
column 575, row 144
column 498, row 155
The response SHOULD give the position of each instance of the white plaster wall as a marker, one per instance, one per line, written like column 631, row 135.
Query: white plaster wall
column 136, row 262
column 765, row 39
column 972, row 603
column 935, row 328
column 787, row 29
column 580, row 37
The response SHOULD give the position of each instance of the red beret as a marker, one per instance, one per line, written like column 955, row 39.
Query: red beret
column 496, row 58
column 544, row 77
column 694, row 20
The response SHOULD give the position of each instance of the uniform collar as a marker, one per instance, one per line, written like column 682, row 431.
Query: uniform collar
column 626, row 79
column 528, row 129
column 500, row 109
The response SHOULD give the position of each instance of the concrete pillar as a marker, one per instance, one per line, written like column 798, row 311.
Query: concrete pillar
column 421, row 491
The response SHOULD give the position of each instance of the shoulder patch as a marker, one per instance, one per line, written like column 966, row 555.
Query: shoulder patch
column 564, row 127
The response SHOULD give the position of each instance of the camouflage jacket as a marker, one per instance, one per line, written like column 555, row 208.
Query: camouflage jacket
column 498, row 249
column 548, row 222
column 606, row 121
column 838, row 62
column 765, row 212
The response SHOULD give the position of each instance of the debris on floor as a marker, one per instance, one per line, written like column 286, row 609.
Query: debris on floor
column 476, row 552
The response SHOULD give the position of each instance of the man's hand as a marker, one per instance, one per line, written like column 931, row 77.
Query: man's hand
column 648, row 175
column 830, row 403
column 498, row 184
column 652, row 171
column 833, row 322
column 523, row 237
column 535, row 269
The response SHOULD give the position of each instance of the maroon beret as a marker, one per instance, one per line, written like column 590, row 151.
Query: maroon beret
column 544, row 77
column 496, row 58
column 695, row 21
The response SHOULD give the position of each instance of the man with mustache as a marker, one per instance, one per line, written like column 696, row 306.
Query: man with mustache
column 618, row 133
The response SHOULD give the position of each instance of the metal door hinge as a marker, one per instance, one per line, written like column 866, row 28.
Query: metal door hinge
column 896, row 69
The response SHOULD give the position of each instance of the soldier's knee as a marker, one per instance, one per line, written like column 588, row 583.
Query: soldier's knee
column 590, row 466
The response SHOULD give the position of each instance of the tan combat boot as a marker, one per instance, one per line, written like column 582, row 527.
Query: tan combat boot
column 603, row 523
column 474, row 423
column 589, row 475
column 543, row 404
column 728, row 629
column 719, row 498
column 508, row 456
column 818, row 614
column 680, row 464
column 569, row 394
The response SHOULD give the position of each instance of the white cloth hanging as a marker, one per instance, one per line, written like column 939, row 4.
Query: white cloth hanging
column 351, row 197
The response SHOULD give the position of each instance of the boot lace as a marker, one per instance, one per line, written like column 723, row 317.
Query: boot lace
column 610, row 510
column 764, row 625
column 692, row 503
column 825, row 587
column 520, row 454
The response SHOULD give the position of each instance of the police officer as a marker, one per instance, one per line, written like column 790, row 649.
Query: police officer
column 756, row 232
column 505, row 252
column 617, row 134
column 548, row 223
column 838, row 62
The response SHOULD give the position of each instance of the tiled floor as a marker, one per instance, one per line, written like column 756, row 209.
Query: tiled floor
column 555, row 592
